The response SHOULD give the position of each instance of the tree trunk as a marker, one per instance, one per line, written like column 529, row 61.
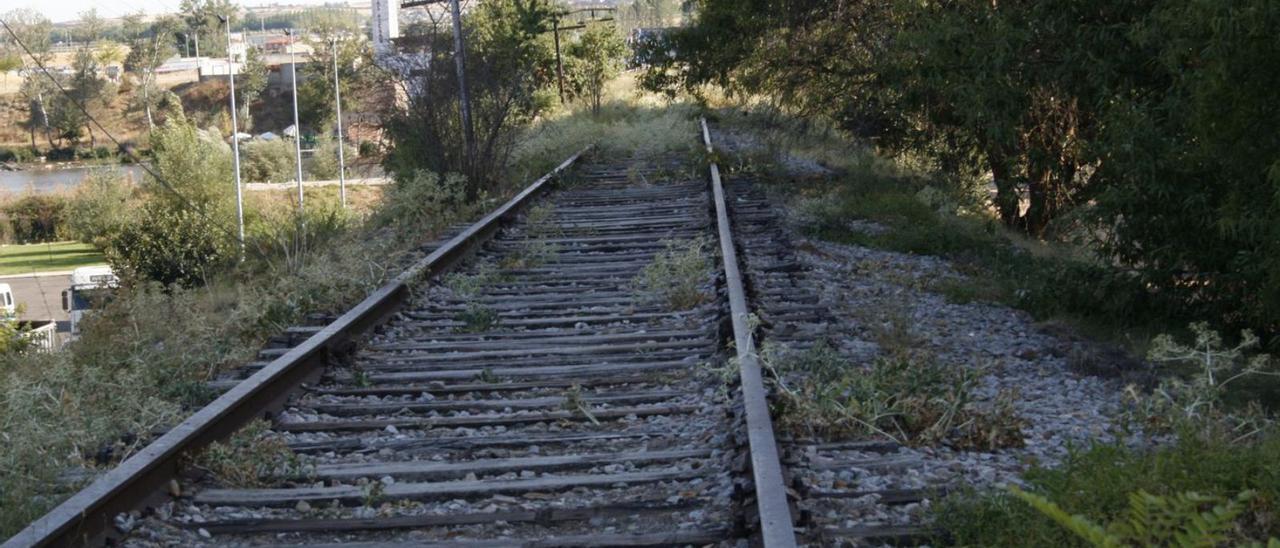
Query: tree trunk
column 1040, row 210
column 44, row 118
column 93, row 139
column 1007, row 199
column 146, row 102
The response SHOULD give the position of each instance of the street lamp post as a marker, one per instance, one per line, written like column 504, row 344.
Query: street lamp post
column 337, row 101
column 235, row 136
column 297, row 127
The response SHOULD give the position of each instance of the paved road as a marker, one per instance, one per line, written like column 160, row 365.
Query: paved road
column 42, row 294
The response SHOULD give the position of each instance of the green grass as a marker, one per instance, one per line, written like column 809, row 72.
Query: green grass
column 48, row 257
column 1097, row 482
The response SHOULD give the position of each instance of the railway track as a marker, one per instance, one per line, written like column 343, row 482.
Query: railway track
column 528, row 395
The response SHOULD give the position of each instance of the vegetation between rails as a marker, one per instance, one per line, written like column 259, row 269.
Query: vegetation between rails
column 678, row 277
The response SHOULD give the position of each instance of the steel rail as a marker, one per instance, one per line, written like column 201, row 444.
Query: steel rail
column 88, row 514
column 777, row 528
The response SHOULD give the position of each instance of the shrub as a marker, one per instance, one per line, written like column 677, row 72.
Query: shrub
column 252, row 454
column 1185, row 519
column 424, row 203
column 1098, row 484
column 17, row 154
column 324, row 164
column 100, row 208
column 170, row 246
column 38, row 218
column 902, row 397
column 268, row 161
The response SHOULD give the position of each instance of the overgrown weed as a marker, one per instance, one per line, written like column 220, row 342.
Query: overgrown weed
column 1097, row 483
column 903, row 397
column 249, row 458
column 678, row 276
column 477, row 318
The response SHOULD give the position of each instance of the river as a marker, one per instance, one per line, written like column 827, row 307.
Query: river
column 40, row 180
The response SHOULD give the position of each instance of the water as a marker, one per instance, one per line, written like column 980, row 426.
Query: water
column 52, row 180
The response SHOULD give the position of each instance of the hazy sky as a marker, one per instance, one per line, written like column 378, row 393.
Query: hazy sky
column 67, row 10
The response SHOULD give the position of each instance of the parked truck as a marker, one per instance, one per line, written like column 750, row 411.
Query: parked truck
column 91, row 286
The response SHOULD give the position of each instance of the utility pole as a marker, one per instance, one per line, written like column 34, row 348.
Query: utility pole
column 235, row 135
column 297, row 127
column 459, row 57
column 198, row 64
column 555, row 29
column 337, row 102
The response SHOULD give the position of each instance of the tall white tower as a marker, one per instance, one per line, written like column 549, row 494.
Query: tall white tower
column 384, row 27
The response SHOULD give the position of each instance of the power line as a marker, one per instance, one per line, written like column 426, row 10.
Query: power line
column 187, row 203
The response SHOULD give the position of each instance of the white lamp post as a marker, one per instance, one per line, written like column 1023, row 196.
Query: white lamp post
column 235, row 136
column 297, row 127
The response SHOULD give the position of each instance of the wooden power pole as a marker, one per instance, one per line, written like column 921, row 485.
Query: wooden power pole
column 556, row 28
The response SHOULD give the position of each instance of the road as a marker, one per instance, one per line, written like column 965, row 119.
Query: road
column 41, row 293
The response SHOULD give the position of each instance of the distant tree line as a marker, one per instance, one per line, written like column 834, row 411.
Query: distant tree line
column 1153, row 122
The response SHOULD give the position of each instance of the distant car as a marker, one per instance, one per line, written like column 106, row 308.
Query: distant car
column 90, row 287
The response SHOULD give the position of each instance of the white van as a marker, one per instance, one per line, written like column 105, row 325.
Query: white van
column 90, row 286
column 6, row 300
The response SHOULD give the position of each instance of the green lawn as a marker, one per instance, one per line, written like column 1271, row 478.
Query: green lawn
column 50, row 257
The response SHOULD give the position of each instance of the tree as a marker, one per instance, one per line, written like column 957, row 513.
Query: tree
column 149, row 47
column 201, row 18
column 595, row 58
column 510, row 64
column 250, row 83
column 356, row 70
column 35, row 32
column 180, row 236
column 87, row 95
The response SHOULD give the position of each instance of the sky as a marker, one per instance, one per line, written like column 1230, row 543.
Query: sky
column 69, row 10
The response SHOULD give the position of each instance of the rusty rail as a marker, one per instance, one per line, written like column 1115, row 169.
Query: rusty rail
column 88, row 514
column 777, row 528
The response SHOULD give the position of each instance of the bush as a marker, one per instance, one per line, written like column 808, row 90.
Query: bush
column 17, row 154
column 38, row 218
column 170, row 246
column 324, row 164
column 1098, row 483
column 902, row 397
column 268, row 161
column 424, row 203
column 100, row 208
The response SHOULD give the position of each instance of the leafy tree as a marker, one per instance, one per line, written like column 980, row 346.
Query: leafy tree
column 1146, row 119
column 100, row 208
column 595, row 58
column 180, row 236
column 149, row 47
column 35, row 32
column 201, row 18
column 357, row 76
column 87, row 91
column 170, row 246
column 510, row 64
